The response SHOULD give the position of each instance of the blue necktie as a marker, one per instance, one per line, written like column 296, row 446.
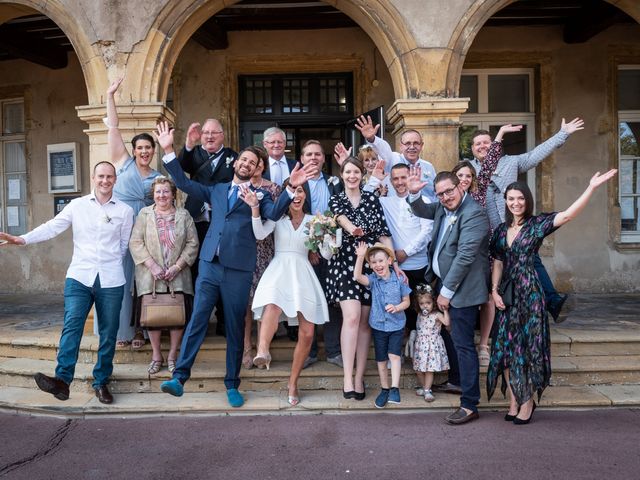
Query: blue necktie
column 233, row 196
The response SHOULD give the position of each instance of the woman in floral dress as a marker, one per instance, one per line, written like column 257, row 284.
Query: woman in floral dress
column 520, row 351
column 368, row 224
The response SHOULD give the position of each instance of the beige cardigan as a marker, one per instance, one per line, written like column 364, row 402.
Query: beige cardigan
column 145, row 243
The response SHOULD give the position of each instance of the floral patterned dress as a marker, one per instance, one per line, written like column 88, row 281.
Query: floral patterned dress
column 521, row 339
column 429, row 353
column 369, row 216
column 264, row 248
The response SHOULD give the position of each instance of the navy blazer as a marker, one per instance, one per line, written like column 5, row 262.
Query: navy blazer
column 193, row 163
column 230, row 232
column 267, row 169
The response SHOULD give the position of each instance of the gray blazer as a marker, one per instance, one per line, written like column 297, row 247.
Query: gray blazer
column 464, row 256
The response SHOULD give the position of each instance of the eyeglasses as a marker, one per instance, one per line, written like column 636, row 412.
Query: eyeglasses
column 274, row 142
column 447, row 193
column 212, row 132
column 412, row 144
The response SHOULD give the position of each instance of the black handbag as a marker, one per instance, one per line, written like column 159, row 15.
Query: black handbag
column 505, row 290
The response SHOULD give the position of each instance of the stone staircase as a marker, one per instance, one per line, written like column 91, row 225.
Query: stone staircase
column 595, row 362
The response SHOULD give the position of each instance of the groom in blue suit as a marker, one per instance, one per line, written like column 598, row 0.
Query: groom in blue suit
column 227, row 259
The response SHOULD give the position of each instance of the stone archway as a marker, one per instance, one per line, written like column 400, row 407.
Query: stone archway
column 91, row 63
column 177, row 22
column 477, row 15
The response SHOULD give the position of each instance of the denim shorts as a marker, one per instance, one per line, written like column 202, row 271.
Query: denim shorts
column 385, row 343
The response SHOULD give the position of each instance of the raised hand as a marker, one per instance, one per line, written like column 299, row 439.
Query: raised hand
column 506, row 129
column 573, row 126
column 341, row 153
column 378, row 171
column 249, row 196
column 193, row 135
column 114, row 86
column 361, row 249
column 598, row 179
column 6, row 239
column 164, row 134
column 415, row 182
column 366, row 128
column 299, row 175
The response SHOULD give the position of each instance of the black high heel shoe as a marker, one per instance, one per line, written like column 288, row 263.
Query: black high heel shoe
column 510, row 418
column 519, row 421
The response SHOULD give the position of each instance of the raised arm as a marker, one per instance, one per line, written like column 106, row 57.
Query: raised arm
column 117, row 150
column 260, row 230
column 529, row 160
column 576, row 207
column 164, row 135
column 358, row 275
column 365, row 126
column 186, row 157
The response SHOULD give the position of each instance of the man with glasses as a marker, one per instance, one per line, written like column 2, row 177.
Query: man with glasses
column 459, row 253
column 208, row 163
column 410, row 149
column 274, row 142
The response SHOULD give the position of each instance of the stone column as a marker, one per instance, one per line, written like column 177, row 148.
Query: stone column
column 437, row 119
column 134, row 118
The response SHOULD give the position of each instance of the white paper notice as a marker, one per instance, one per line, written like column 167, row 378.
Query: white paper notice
column 13, row 217
column 14, row 189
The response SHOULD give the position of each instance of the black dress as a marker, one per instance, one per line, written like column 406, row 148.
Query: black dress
column 369, row 216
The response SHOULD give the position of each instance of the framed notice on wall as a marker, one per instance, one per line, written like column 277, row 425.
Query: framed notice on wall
column 62, row 164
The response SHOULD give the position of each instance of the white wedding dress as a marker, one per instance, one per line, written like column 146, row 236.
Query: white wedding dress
column 289, row 281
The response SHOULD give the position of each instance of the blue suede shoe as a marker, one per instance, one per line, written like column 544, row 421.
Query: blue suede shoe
column 382, row 398
column 172, row 387
column 234, row 398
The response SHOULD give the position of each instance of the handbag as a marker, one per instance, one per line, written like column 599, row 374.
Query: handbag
column 162, row 310
column 505, row 290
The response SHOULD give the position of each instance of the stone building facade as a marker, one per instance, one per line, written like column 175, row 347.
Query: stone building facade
column 438, row 66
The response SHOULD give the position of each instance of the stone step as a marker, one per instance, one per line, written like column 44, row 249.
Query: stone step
column 208, row 376
column 30, row 400
column 42, row 345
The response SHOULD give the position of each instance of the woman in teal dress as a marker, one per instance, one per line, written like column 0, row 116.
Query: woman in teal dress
column 520, row 352
column 133, row 187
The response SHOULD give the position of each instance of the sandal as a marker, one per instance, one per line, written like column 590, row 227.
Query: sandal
column 155, row 366
column 483, row 355
column 247, row 358
column 122, row 344
column 171, row 365
column 138, row 341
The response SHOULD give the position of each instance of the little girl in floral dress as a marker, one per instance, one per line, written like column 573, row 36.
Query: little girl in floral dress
column 429, row 354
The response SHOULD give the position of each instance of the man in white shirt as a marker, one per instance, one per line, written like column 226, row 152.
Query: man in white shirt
column 279, row 167
column 410, row 234
column 101, row 229
column 411, row 145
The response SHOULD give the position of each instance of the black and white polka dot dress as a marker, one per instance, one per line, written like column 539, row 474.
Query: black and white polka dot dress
column 369, row 216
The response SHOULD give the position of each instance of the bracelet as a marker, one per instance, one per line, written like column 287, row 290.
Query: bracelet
column 255, row 206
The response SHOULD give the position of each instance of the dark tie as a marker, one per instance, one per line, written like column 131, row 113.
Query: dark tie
column 233, row 196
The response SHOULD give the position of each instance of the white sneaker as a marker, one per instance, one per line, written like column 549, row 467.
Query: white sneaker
column 420, row 392
column 428, row 396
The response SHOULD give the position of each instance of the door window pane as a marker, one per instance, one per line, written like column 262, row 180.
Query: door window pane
column 469, row 88
column 509, row 93
column 12, row 118
column 629, row 178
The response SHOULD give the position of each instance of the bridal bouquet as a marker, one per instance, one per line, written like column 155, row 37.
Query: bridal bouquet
column 324, row 235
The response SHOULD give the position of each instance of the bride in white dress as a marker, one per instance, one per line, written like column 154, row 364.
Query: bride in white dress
column 289, row 289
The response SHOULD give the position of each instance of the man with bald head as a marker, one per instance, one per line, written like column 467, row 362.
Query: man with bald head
column 207, row 161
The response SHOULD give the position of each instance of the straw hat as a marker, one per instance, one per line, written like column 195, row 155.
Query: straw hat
column 379, row 246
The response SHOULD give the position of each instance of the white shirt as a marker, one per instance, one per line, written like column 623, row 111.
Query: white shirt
column 408, row 232
column 278, row 170
column 100, row 238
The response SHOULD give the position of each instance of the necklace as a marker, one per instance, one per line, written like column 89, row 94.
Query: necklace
column 296, row 221
column 259, row 186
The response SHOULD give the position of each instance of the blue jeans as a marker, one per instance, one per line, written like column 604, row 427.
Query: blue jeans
column 463, row 323
column 232, row 286
column 78, row 300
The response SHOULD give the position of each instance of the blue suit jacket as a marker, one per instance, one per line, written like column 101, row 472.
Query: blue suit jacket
column 230, row 232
